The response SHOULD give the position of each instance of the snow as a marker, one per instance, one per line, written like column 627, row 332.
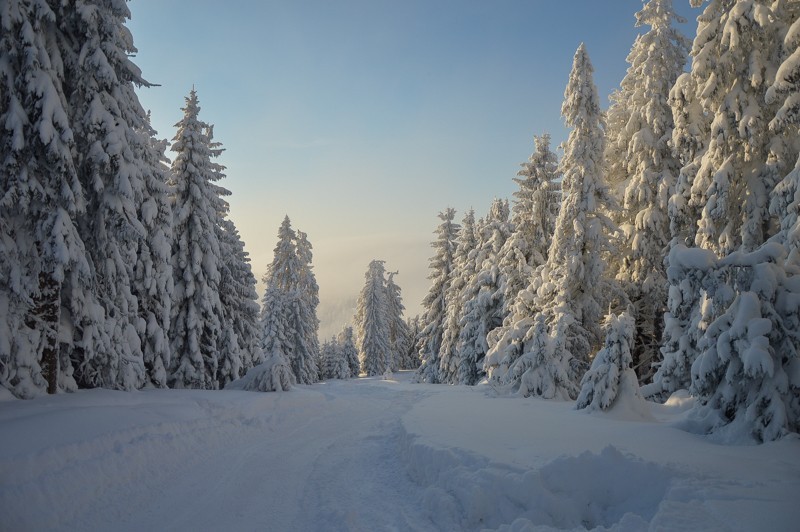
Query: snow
column 374, row 454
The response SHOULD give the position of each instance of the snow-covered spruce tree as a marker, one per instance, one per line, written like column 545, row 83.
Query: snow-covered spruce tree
column 734, row 60
column 785, row 91
column 543, row 369
column 273, row 372
column 153, row 281
column 240, row 303
column 411, row 359
column 685, row 321
column 326, row 359
column 482, row 299
column 571, row 289
column 534, row 213
column 573, row 277
column 533, row 218
column 229, row 361
column 107, row 120
column 638, row 156
column 737, row 370
column 43, row 268
column 197, row 313
column 601, row 384
column 289, row 310
column 746, row 375
column 347, row 345
column 305, row 321
column 399, row 338
column 461, row 274
column 372, row 322
column 435, row 303
column 334, row 363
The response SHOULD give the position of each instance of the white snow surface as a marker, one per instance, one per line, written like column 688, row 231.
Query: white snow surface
column 373, row 454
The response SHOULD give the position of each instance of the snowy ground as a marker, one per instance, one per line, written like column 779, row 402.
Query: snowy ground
column 375, row 455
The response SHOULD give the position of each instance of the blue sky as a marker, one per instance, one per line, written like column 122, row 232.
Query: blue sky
column 363, row 119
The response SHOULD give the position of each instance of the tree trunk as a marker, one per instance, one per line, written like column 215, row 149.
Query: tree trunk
column 45, row 316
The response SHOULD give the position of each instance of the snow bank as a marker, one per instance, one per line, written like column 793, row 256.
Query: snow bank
column 540, row 465
column 465, row 491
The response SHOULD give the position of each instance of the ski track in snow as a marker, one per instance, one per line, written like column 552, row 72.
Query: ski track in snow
column 373, row 455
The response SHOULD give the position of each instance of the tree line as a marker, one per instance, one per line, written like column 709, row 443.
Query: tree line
column 664, row 241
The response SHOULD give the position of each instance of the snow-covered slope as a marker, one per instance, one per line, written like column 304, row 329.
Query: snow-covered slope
column 371, row 454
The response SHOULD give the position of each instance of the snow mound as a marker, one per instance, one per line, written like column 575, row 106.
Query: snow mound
column 590, row 491
column 630, row 404
column 274, row 375
column 6, row 395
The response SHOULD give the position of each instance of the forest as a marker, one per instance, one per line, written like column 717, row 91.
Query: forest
column 658, row 253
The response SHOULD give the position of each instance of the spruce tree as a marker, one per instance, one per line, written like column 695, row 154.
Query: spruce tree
column 533, row 218
column 239, row 301
column 601, row 385
column 534, row 213
column 196, row 328
column 734, row 59
column 640, row 158
column 107, row 120
column 461, row 275
column 347, row 345
column 435, row 303
column 785, row 198
column 305, row 295
column 153, row 281
column 482, row 299
column 372, row 322
column 289, row 310
column 546, row 355
column 399, row 339
column 43, row 266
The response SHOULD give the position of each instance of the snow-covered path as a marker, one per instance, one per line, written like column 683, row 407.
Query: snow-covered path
column 375, row 455
column 320, row 458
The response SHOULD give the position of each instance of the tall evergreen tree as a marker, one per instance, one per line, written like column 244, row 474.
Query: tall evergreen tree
column 289, row 317
column 43, row 267
column 745, row 361
column 482, row 299
column 551, row 352
column 399, row 339
column 533, row 218
column 461, row 275
column 347, row 344
column 305, row 298
column 372, row 322
column 535, row 210
column 435, row 303
column 785, row 92
column 735, row 57
column 640, row 158
column 153, row 282
column 239, row 297
column 239, row 301
column 574, row 274
column 197, row 312
column 107, row 120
